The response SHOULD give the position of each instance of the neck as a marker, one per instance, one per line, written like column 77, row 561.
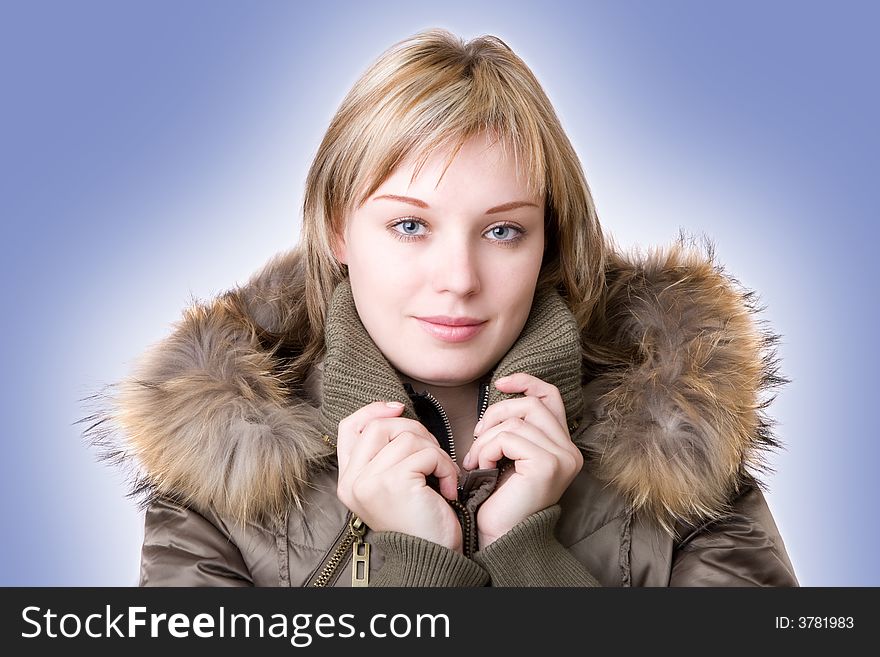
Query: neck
column 459, row 401
column 460, row 404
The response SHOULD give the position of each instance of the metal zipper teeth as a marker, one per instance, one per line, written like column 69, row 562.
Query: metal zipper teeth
column 485, row 402
column 467, row 530
column 449, row 438
column 332, row 564
column 468, row 537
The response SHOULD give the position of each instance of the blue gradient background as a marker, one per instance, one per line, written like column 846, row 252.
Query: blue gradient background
column 156, row 151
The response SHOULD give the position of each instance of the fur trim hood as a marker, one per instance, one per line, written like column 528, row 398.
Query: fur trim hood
column 676, row 367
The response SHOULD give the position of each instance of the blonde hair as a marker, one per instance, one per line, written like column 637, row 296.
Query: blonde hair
column 435, row 91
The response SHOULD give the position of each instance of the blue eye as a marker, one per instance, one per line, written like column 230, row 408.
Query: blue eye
column 505, row 233
column 409, row 226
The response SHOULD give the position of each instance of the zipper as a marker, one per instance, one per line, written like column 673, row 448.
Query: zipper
column 484, row 402
column 468, row 533
column 450, row 441
column 360, row 567
column 360, row 554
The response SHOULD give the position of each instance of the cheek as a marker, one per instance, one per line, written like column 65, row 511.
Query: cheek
column 516, row 298
column 513, row 285
column 379, row 282
column 371, row 259
column 519, row 273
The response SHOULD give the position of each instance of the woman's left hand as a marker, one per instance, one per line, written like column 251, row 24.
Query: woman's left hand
column 531, row 431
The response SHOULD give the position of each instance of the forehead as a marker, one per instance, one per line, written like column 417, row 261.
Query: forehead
column 481, row 169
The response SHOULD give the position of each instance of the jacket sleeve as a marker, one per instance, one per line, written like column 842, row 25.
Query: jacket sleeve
column 527, row 555
column 531, row 555
column 183, row 548
column 412, row 561
column 743, row 548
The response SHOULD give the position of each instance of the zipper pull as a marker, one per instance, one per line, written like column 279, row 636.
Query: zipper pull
column 360, row 553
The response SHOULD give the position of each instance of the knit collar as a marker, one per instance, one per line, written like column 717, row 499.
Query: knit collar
column 355, row 373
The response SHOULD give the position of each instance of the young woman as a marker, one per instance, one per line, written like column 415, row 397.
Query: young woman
column 455, row 379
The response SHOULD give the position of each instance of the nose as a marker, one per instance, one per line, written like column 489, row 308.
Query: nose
column 455, row 267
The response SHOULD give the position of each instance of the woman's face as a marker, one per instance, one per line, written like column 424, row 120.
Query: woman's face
column 423, row 256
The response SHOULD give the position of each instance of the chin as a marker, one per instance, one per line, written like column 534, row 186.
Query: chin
column 447, row 375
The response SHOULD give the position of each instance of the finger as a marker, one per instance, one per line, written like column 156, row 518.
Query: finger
column 517, row 426
column 401, row 447
column 430, row 461
column 532, row 386
column 377, row 434
column 351, row 427
column 358, row 420
column 529, row 409
column 510, row 445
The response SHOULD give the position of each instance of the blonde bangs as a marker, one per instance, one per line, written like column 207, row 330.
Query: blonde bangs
column 422, row 97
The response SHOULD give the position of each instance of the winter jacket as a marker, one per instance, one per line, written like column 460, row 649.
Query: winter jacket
column 665, row 394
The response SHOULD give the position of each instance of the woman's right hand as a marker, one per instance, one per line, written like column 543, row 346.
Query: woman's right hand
column 383, row 464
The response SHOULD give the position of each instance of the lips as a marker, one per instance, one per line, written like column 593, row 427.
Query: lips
column 451, row 329
column 446, row 320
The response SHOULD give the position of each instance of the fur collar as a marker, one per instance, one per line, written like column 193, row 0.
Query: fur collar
column 675, row 365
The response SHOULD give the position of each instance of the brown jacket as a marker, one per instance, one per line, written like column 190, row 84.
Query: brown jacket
column 665, row 396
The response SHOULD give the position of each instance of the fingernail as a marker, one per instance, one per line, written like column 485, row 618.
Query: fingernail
column 467, row 460
column 503, row 379
column 478, row 427
column 394, row 404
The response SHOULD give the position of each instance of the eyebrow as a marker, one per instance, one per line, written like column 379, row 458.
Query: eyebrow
column 504, row 207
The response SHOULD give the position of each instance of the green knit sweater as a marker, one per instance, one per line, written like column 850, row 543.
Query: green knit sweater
column 356, row 374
